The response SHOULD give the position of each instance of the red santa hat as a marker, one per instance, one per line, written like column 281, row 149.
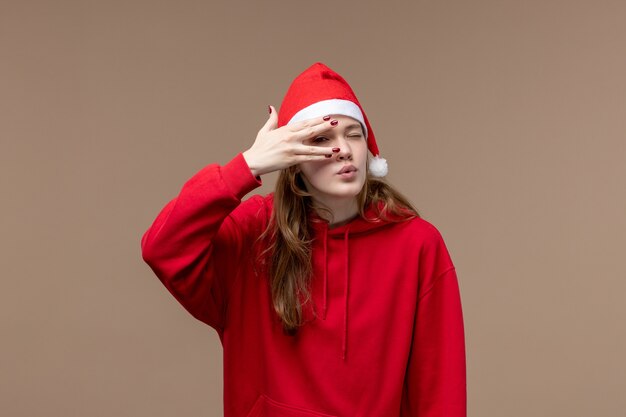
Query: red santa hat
column 320, row 91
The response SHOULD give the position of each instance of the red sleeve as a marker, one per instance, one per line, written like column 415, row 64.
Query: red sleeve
column 435, row 384
column 206, row 221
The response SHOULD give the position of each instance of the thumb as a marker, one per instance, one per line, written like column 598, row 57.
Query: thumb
column 272, row 121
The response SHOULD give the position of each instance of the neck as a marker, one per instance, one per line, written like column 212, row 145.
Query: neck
column 343, row 210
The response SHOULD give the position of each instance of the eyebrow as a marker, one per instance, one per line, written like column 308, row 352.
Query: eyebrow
column 353, row 125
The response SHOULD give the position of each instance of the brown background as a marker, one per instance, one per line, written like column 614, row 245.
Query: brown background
column 503, row 121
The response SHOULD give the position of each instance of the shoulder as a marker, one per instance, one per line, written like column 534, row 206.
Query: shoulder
column 433, row 246
column 428, row 239
column 419, row 242
column 263, row 203
column 255, row 209
column 423, row 230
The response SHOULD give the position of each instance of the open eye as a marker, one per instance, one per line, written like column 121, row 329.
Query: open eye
column 319, row 139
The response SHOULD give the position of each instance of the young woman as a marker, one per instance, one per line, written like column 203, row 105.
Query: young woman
column 331, row 295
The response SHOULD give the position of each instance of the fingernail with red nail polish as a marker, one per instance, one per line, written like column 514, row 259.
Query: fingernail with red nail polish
column 334, row 122
column 270, row 109
column 326, row 118
column 335, row 149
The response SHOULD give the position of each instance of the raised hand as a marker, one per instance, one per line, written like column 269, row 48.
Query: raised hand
column 278, row 148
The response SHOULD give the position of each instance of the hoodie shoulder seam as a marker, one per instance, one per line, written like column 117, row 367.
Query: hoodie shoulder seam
column 436, row 280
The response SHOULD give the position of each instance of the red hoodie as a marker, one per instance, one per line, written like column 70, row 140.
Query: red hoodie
column 388, row 336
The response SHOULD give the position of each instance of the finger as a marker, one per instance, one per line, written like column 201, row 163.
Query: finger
column 304, row 124
column 306, row 158
column 311, row 131
column 272, row 120
column 312, row 150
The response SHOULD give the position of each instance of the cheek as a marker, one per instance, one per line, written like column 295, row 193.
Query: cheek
column 312, row 168
column 363, row 155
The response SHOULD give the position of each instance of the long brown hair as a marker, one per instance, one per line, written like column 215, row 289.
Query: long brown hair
column 288, row 238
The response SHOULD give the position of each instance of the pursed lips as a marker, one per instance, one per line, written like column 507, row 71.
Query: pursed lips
column 348, row 168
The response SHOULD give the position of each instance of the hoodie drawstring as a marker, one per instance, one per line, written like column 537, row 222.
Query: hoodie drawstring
column 360, row 224
column 345, row 313
column 346, row 240
column 325, row 273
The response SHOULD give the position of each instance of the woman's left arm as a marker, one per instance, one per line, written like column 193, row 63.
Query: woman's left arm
column 435, row 382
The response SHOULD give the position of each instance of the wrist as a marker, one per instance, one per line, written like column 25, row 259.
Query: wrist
column 238, row 177
column 250, row 162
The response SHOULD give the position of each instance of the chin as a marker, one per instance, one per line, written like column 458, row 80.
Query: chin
column 344, row 190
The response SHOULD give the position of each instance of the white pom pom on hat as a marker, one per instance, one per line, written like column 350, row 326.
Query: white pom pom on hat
column 319, row 91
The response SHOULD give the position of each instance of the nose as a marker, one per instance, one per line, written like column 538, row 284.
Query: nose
column 345, row 151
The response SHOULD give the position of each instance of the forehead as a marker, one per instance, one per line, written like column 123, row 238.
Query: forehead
column 346, row 121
